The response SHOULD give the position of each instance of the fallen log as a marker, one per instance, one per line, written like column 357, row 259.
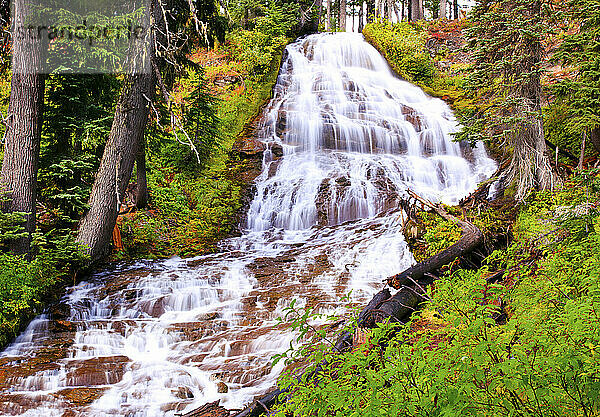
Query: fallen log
column 207, row 410
column 377, row 300
column 395, row 309
column 470, row 239
column 262, row 405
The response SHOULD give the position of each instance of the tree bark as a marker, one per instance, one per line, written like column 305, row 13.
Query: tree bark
column 395, row 309
column 343, row 13
column 533, row 92
column 122, row 147
column 328, row 21
column 375, row 302
column 320, row 15
column 416, row 9
column 18, row 178
column 141, row 191
column 455, row 5
column 396, row 11
column 360, row 18
column 370, row 11
column 443, row 4
column 388, row 10
column 595, row 138
column 582, row 153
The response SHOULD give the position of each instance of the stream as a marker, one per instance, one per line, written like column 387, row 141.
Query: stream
column 345, row 139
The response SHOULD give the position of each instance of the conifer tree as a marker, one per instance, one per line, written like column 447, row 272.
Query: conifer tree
column 581, row 51
column 18, row 178
column 506, row 42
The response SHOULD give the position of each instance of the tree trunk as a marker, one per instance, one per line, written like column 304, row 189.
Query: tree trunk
column 343, row 13
column 443, row 4
column 370, row 11
column 18, row 178
column 582, row 153
column 396, row 11
column 123, row 145
column 360, row 18
column 328, row 21
column 455, row 5
column 595, row 138
column 320, row 15
column 530, row 164
column 141, row 191
column 544, row 174
column 416, row 8
column 395, row 309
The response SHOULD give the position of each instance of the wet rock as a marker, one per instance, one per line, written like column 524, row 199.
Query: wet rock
column 323, row 202
column 80, row 396
column 249, row 302
column 343, row 182
column 276, row 149
column 64, row 326
column 195, row 262
column 208, row 410
column 273, row 168
column 97, row 371
column 467, row 151
column 271, row 268
column 413, row 117
column 184, row 393
column 60, row 311
column 329, row 136
column 320, row 264
column 281, row 124
column 16, row 405
column 222, row 387
column 178, row 407
column 14, row 370
column 154, row 308
column 249, row 147
column 208, row 316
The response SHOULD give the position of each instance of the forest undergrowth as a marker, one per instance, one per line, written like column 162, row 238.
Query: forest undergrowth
column 523, row 344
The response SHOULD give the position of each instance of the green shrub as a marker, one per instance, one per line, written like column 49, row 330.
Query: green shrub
column 455, row 359
column 27, row 286
column 403, row 45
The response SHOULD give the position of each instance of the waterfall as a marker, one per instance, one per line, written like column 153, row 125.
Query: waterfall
column 345, row 139
column 354, row 138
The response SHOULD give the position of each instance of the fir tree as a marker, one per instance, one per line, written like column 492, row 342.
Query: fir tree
column 506, row 42
column 581, row 52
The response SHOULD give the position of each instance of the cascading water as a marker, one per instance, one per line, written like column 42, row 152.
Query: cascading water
column 162, row 338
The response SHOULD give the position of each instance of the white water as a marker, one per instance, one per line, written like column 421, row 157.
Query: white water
column 350, row 131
